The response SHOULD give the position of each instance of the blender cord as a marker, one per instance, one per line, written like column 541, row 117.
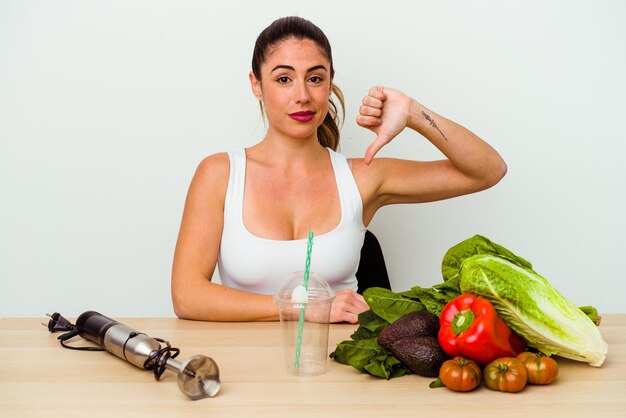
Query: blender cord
column 157, row 359
column 58, row 323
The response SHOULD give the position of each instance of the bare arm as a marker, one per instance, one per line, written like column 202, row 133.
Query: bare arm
column 193, row 294
column 471, row 165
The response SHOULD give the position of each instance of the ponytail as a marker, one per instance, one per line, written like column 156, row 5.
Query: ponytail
column 328, row 131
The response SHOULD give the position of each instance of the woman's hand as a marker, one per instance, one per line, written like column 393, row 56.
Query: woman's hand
column 347, row 306
column 385, row 112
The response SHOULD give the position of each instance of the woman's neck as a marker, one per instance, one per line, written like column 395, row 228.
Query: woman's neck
column 288, row 152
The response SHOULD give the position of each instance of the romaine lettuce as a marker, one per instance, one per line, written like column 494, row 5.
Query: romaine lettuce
column 528, row 303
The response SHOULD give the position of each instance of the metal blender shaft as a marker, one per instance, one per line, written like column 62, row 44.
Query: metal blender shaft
column 177, row 367
column 198, row 377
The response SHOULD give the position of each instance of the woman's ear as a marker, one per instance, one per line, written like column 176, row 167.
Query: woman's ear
column 256, row 86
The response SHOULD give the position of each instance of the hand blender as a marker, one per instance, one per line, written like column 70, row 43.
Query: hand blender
column 198, row 377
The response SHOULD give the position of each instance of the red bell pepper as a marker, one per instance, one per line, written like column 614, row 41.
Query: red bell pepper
column 470, row 327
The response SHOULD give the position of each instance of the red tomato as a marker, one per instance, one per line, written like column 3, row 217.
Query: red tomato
column 506, row 374
column 541, row 370
column 460, row 374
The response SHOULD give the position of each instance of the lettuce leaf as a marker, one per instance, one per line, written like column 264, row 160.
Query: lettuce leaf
column 454, row 257
column 533, row 308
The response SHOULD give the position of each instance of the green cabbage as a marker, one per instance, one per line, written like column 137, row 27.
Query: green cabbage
column 525, row 300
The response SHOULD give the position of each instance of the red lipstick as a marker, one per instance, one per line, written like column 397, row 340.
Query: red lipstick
column 303, row 116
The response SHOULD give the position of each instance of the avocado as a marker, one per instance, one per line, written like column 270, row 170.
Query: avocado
column 422, row 355
column 414, row 324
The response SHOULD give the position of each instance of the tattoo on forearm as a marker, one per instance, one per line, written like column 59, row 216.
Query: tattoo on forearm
column 433, row 123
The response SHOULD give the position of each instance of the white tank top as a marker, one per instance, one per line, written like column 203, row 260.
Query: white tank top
column 260, row 265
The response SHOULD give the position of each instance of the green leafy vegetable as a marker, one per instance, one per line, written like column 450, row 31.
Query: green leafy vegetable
column 369, row 357
column 454, row 257
column 592, row 313
column 528, row 303
column 365, row 354
column 438, row 296
column 389, row 305
column 370, row 325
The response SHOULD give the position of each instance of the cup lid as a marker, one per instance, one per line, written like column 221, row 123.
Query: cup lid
column 292, row 290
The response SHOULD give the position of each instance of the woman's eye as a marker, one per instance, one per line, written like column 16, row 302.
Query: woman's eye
column 316, row 79
column 283, row 79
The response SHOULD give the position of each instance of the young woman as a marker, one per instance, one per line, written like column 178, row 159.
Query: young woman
column 249, row 211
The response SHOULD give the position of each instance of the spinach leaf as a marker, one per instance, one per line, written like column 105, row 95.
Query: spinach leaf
column 437, row 297
column 433, row 300
column 451, row 288
column 387, row 366
column 370, row 326
column 369, row 357
column 389, row 305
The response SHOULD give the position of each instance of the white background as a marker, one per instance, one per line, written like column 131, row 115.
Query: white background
column 107, row 107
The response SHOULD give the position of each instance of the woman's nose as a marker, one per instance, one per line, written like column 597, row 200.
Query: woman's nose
column 302, row 93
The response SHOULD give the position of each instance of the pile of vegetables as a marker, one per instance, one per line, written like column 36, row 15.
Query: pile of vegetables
column 486, row 284
column 476, row 336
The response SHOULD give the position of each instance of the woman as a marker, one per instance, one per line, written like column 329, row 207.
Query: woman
column 249, row 212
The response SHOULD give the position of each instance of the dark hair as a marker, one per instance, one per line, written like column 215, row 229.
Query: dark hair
column 299, row 28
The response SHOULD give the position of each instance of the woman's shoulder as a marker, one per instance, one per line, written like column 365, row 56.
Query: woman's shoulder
column 213, row 171
column 215, row 162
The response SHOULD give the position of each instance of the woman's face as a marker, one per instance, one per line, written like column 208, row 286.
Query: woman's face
column 295, row 86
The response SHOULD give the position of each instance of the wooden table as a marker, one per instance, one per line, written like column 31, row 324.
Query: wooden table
column 39, row 378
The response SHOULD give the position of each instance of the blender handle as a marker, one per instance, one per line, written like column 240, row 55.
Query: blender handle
column 93, row 326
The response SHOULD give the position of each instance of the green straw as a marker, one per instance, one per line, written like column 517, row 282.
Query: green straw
column 303, row 307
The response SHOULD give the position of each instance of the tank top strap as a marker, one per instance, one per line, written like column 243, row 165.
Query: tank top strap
column 233, row 204
column 349, row 195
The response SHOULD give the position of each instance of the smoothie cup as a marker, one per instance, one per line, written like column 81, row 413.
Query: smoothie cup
column 304, row 319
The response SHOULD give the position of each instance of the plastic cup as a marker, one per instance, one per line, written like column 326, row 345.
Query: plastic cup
column 308, row 357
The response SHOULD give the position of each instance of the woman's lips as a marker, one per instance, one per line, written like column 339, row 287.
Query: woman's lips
column 304, row 116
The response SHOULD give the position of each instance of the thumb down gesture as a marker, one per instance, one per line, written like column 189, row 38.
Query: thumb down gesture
column 385, row 112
